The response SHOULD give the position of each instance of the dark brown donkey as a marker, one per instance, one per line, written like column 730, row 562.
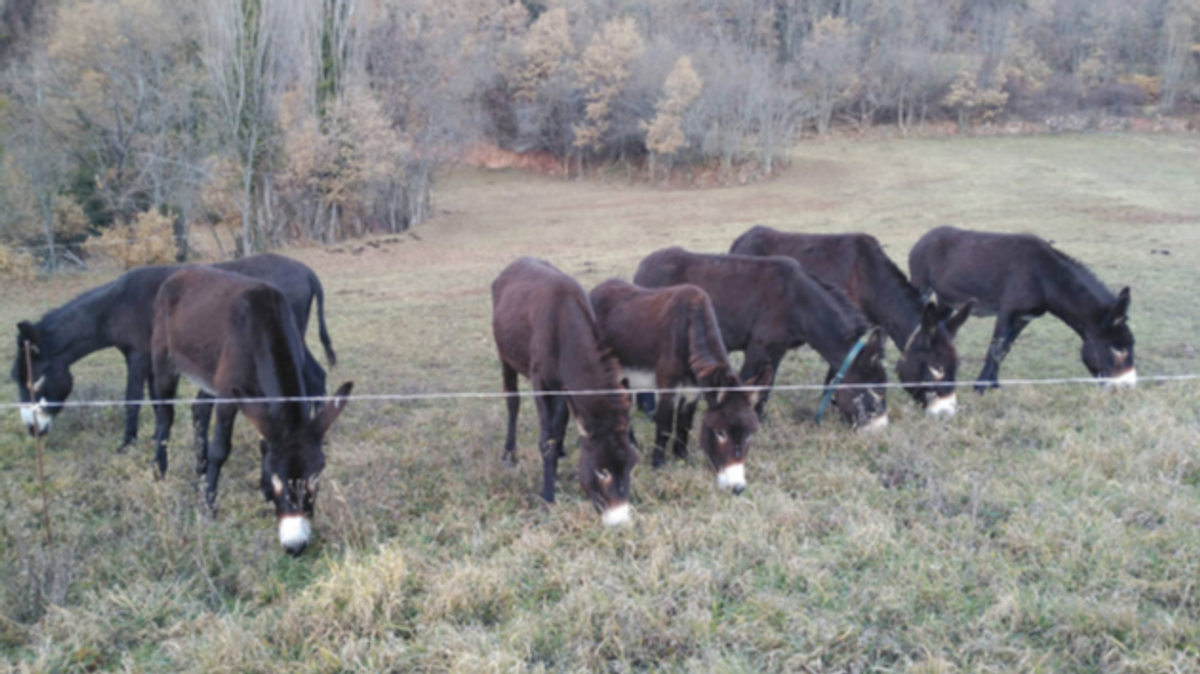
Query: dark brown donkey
column 545, row 330
column 768, row 305
column 1018, row 277
column 857, row 265
column 235, row 338
column 120, row 314
column 669, row 339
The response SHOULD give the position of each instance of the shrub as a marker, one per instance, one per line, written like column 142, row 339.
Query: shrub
column 148, row 240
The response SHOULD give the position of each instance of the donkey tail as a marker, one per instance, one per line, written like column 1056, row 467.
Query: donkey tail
column 319, row 292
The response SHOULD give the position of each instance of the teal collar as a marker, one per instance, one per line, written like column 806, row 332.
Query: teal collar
column 837, row 379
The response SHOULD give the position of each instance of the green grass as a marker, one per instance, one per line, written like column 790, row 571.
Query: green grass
column 1043, row 529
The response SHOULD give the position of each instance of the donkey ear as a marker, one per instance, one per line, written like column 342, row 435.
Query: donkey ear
column 1119, row 311
column 929, row 319
column 764, row 378
column 329, row 413
column 256, row 412
column 26, row 332
column 720, row 379
column 956, row 321
column 875, row 345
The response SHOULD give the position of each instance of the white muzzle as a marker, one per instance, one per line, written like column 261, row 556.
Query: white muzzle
column 943, row 406
column 1127, row 379
column 618, row 514
column 294, row 532
column 875, row 425
column 36, row 416
column 732, row 477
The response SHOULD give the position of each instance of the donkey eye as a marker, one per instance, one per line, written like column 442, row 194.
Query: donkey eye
column 604, row 476
column 1120, row 354
column 722, row 436
column 937, row 373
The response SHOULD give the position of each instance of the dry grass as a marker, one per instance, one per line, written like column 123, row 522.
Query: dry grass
column 1043, row 529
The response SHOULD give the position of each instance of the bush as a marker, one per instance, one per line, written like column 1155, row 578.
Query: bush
column 148, row 240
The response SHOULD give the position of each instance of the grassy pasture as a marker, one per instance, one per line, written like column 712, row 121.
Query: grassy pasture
column 1042, row 529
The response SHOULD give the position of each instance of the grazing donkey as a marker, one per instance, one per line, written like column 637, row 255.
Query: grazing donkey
column 120, row 314
column 857, row 265
column 1018, row 277
column 768, row 305
column 669, row 339
column 236, row 338
column 545, row 330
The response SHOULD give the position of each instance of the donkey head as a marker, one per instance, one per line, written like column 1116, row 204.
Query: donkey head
column 606, row 457
column 929, row 364
column 1108, row 346
column 52, row 381
column 728, row 425
column 292, row 461
column 865, row 406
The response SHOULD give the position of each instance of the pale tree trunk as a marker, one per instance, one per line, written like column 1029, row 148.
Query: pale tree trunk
column 48, row 230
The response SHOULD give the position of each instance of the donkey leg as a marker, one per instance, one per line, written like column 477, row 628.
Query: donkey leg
column 1008, row 327
column 683, row 428
column 514, row 406
column 201, row 416
column 218, row 452
column 165, row 385
column 664, row 427
column 546, row 445
column 137, row 375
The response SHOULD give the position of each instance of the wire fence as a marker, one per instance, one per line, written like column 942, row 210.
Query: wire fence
column 527, row 393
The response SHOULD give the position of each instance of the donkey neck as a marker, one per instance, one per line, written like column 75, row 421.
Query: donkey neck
column 78, row 328
column 893, row 303
column 278, row 368
column 830, row 327
column 1076, row 297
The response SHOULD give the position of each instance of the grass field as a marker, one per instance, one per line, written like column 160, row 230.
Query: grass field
column 1043, row 529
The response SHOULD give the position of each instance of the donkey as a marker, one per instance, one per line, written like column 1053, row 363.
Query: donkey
column 546, row 331
column 857, row 265
column 669, row 339
column 120, row 314
column 1018, row 277
column 236, row 338
column 768, row 305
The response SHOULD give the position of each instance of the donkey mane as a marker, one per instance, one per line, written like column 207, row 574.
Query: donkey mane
column 703, row 358
column 880, row 260
column 1085, row 277
column 858, row 323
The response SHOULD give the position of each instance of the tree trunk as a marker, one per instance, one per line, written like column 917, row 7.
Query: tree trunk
column 48, row 228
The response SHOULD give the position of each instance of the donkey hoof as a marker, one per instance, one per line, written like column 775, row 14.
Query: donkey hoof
column 129, row 442
column 510, row 460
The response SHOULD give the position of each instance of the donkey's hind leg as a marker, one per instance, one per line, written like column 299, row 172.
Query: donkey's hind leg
column 201, row 416
column 513, row 401
column 166, row 382
column 218, row 452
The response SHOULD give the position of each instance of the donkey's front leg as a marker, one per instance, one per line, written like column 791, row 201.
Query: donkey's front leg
column 137, row 374
column 1008, row 327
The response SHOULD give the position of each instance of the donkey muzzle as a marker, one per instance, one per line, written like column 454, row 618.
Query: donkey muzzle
column 733, row 478
column 1127, row 379
column 294, row 533
column 942, row 406
column 36, row 417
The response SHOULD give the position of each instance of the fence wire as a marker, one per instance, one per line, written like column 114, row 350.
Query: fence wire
column 529, row 393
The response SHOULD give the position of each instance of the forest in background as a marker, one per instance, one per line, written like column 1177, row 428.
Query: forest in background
column 130, row 127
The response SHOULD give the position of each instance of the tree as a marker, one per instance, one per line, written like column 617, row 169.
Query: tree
column 238, row 42
column 664, row 135
column 603, row 70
